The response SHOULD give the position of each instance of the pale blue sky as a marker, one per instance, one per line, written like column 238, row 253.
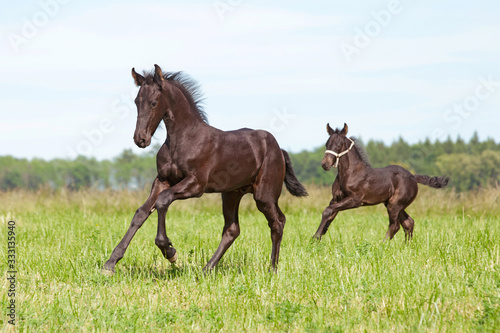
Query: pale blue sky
column 416, row 69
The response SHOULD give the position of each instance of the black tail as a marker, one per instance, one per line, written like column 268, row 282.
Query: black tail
column 435, row 182
column 291, row 182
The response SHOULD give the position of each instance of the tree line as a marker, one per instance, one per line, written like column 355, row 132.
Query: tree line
column 470, row 165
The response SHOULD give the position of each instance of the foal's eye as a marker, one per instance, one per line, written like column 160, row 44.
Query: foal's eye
column 153, row 103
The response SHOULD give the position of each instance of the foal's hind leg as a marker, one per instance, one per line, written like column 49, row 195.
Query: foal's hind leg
column 230, row 204
column 393, row 211
column 407, row 223
column 276, row 221
column 266, row 197
column 140, row 216
column 266, row 192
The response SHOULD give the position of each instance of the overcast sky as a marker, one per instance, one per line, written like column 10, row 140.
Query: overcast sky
column 415, row 69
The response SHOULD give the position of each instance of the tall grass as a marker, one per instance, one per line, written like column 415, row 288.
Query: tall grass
column 446, row 279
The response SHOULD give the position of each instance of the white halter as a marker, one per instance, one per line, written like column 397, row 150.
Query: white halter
column 339, row 155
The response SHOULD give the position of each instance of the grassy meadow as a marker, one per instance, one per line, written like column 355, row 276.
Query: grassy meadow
column 446, row 280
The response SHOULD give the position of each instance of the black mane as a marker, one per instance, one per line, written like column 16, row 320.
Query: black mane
column 360, row 149
column 189, row 87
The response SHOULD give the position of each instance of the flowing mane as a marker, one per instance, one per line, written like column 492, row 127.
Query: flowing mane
column 360, row 149
column 189, row 87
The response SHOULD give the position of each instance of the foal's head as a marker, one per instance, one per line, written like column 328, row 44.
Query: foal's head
column 152, row 105
column 337, row 143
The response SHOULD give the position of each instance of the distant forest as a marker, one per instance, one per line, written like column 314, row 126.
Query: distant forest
column 470, row 165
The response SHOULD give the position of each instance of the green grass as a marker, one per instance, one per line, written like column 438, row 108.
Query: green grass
column 446, row 279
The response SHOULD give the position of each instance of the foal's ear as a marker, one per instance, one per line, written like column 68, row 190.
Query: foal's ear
column 138, row 78
column 329, row 129
column 158, row 78
column 344, row 130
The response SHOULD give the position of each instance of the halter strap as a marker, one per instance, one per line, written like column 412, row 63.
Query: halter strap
column 339, row 155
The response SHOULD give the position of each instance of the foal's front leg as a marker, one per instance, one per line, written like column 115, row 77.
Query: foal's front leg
column 187, row 188
column 332, row 210
column 164, row 243
column 138, row 220
column 326, row 220
column 327, row 216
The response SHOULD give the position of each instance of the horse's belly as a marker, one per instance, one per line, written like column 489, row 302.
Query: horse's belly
column 224, row 181
column 378, row 195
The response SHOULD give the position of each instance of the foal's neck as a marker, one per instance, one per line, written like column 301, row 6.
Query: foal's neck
column 351, row 163
column 182, row 118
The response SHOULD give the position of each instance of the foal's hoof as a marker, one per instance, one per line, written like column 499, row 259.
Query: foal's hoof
column 208, row 270
column 107, row 272
column 316, row 238
column 171, row 255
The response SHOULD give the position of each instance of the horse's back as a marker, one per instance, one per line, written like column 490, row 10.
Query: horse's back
column 394, row 174
column 397, row 171
column 261, row 142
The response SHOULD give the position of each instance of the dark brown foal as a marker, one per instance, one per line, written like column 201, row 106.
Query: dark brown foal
column 358, row 184
column 197, row 158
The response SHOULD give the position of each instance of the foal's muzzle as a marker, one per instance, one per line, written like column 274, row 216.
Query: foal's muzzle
column 142, row 141
column 327, row 162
